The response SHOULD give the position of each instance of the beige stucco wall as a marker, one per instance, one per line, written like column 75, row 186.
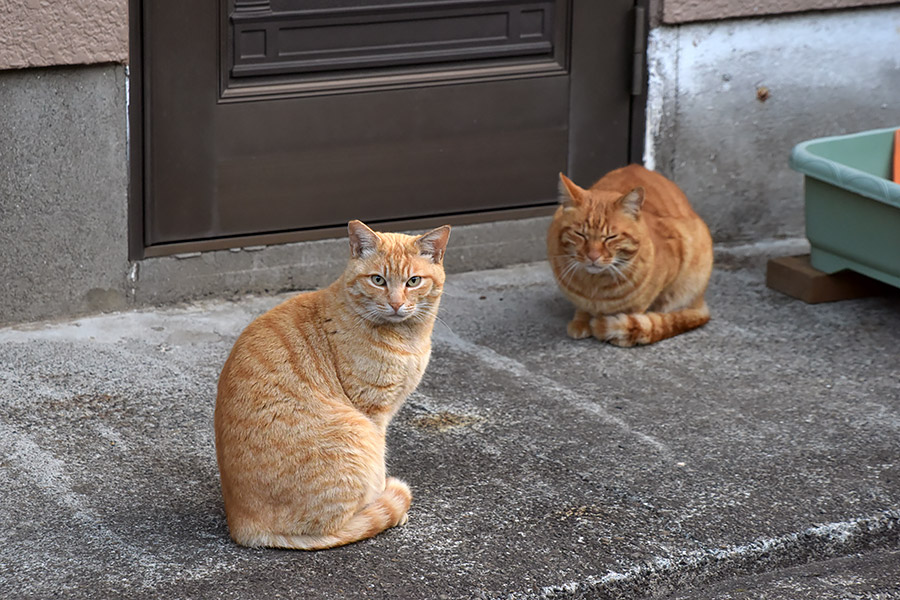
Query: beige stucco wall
column 683, row 11
column 40, row 33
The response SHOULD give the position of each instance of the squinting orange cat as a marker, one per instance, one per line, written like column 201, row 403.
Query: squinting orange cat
column 632, row 256
column 307, row 393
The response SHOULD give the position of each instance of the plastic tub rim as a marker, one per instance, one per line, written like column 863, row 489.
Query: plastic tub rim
column 844, row 176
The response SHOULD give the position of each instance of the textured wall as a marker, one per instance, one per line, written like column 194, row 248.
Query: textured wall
column 63, row 191
column 728, row 100
column 682, row 11
column 40, row 33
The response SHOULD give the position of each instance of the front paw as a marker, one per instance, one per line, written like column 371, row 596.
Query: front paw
column 612, row 329
column 578, row 329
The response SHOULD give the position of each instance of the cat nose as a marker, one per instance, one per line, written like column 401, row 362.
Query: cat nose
column 396, row 306
column 593, row 255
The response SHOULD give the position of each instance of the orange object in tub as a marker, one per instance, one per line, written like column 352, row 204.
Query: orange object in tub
column 897, row 156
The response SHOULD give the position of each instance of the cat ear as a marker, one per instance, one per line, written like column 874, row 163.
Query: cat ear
column 433, row 243
column 569, row 193
column 363, row 241
column 632, row 202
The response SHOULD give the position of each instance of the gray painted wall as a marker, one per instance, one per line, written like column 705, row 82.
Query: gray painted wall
column 826, row 74
column 63, row 191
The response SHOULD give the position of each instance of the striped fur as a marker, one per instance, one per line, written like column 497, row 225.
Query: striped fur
column 632, row 256
column 306, row 395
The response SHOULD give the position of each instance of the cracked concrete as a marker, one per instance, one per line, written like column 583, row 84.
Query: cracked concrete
column 756, row 457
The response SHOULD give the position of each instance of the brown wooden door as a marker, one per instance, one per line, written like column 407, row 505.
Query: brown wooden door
column 272, row 120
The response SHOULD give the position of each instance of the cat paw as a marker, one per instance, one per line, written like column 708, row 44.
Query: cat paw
column 403, row 520
column 622, row 341
column 578, row 330
column 613, row 329
column 597, row 327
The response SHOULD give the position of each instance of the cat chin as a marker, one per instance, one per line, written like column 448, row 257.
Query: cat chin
column 594, row 270
column 394, row 318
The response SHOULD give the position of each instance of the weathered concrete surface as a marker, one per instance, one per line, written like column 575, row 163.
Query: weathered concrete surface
column 63, row 191
column 871, row 576
column 728, row 101
column 541, row 467
column 305, row 265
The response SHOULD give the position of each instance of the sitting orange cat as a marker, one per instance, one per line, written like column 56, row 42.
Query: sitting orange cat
column 306, row 395
column 632, row 256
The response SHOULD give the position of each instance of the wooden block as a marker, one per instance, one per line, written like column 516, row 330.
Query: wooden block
column 796, row 277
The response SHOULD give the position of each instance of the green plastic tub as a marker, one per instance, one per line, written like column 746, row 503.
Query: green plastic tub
column 852, row 206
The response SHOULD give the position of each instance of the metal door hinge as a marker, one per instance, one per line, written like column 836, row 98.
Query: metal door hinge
column 639, row 54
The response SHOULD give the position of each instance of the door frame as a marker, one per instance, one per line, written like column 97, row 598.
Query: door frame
column 581, row 120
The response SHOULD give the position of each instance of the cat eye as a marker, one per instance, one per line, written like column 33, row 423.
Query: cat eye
column 611, row 237
column 414, row 281
column 579, row 234
column 378, row 280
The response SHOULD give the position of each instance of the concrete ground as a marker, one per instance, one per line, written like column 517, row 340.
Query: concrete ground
column 758, row 457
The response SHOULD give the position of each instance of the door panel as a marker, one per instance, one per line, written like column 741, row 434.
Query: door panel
column 265, row 117
column 296, row 47
column 299, row 39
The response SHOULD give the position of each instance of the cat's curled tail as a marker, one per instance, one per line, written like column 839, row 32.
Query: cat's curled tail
column 386, row 511
column 648, row 328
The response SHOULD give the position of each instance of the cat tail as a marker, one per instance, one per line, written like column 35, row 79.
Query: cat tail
column 647, row 328
column 386, row 511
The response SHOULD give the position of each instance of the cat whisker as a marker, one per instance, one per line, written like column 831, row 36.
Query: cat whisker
column 367, row 318
column 624, row 267
column 370, row 316
column 425, row 311
column 443, row 322
column 616, row 272
column 569, row 272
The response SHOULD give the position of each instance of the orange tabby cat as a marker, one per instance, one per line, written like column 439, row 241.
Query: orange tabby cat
column 307, row 393
column 632, row 256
